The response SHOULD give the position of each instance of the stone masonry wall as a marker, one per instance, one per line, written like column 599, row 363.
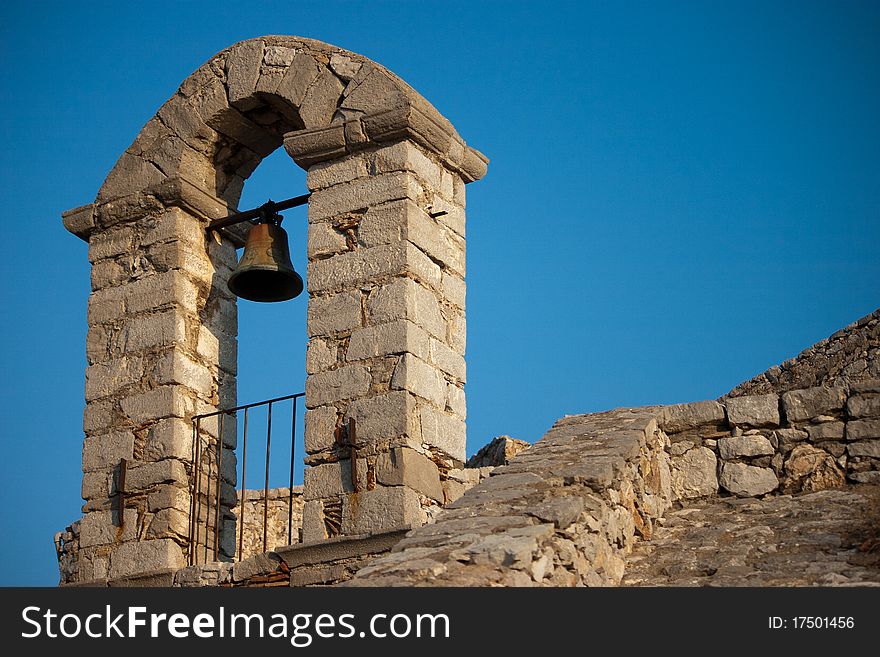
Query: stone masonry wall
column 852, row 354
column 568, row 511
column 386, row 307
column 386, row 339
column 277, row 525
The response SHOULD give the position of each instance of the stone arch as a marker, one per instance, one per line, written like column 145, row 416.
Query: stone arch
column 235, row 109
column 386, row 298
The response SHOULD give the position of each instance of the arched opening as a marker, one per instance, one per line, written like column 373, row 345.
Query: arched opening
column 272, row 342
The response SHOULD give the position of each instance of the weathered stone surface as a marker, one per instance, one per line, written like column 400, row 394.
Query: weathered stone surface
column 815, row 539
column 334, row 313
column 747, row 480
column 825, row 431
column 386, row 416
column 422, row 379
column 498, row 451
column 862, row 429
column 753, row 410
column 104, row 451
column 141, row 556
column 396, row 337
column 680, row 417
column 406, row 467
column 346, row 382
column 260, row 564
column 444, row 431
column 864, row 448
column 866, row 404
column 809, row 469
column 105, row 528
column 320, row 100
column 332, row 479
column 406, row 299
column 381, row 509
column 320, row 427
column 149, row 474
column 801, row 405
column 790, row 436
column 694, row 474
column 740, row 446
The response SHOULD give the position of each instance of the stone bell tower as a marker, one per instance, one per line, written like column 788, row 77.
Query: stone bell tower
column 386, row 306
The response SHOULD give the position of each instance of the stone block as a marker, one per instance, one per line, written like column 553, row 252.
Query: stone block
column 321, row 355
column 361, row 194
column 384, row 417
column 448, row 361
column 418, row 377
column 864, row 448
column 321, row 99
column 801, row 405
column 167, row 471
column 864, row 405
column 80, row 221
column 395, row 337
column 169, row 438
column 406, row 299
column 444, row 431
column 300, row 75
column 744, row 446
column 455, row 400
column 313, row 522
column 753, row 411
column 336, row 172
column 176, row 367
column 165, row 401
column 324, row 240
column 862, row 429
column 104, row 528
column 454, row 289
column 681, row 417
column 111, row 243
column 108, row 274
column 790, row 436
column 406, row 467
column 158, row 330
column 334, row 314
column 144, row 556
column 236, row 126
column 809, row 469
column 825, row 431
column 105, row 306
column 407, row 156
column 348, row 382
column 175, row 225
column 332, row 479
column 320, row 427
column 242, row 72
column 103, row 452
column 747, row 480
column 96, row 485
column 380, row 509
column 160, row 290
column 168, row 496
column 456, row 333
column 109, row 378
column 168, row 523
column 310, row 147
column 694, row 474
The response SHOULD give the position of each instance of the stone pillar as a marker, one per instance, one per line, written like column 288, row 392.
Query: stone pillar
column 160, row 348
column 386, row 319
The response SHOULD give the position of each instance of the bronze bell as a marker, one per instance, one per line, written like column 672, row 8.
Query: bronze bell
column 265, row 272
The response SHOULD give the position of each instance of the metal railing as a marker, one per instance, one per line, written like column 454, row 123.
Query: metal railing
column 207, row 470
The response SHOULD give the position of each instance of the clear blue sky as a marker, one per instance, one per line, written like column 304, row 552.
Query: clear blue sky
column 680, row 195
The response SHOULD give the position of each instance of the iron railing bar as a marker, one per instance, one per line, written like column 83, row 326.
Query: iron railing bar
column 290, row 488
column 240, row 408
column 219, row 489
column 198, row 475
column 192, row 498
column 266, row 482
column 243, row 486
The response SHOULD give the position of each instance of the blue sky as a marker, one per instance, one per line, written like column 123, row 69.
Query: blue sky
column 680, row 195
